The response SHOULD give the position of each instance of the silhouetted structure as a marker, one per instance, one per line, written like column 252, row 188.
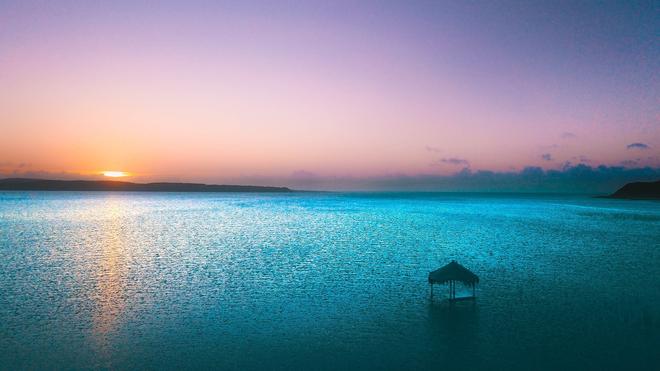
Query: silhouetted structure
column 452, row 273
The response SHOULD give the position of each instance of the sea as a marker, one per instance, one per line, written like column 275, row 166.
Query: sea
column 326, row 281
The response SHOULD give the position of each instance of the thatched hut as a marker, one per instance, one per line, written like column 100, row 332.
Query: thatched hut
column 452, row 273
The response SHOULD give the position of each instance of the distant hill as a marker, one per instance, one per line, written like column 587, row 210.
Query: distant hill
column 639, row 191
column 22, row 184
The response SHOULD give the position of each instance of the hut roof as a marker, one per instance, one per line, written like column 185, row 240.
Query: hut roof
column 453, row 272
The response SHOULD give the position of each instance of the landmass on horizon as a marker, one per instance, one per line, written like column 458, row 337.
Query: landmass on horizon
column 25, row 184
column 634, row 190
column 639, row 191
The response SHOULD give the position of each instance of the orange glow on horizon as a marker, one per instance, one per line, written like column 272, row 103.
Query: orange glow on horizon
column 115, row 174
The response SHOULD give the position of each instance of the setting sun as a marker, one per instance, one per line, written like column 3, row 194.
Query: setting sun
column 361, row 184
column 115, row 174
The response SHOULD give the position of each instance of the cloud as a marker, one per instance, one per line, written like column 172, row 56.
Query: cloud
column 18, row 172
column 10, row 169
column 579, row 178
column 567, row 135
column 433, row 149
column 455, row 161
column 581, row 159
column 629, row 163
column 637, row 146
column 547, row 157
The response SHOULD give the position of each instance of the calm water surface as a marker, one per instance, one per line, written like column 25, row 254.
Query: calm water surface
column 326, row 281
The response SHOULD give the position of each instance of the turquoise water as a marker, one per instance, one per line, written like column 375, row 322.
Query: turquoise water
column 326, row 281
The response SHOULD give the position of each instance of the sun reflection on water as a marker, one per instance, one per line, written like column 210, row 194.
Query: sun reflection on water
column 109, row 296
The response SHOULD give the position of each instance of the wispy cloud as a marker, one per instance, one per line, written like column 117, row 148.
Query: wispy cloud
column 455, row 161
column 581, row 159
column 547, row 157
column 16, row 166
column 567, row 135
column 630, row 163
column 637, row 146
column 20, row 172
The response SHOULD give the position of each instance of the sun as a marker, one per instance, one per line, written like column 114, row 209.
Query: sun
column 115, row 174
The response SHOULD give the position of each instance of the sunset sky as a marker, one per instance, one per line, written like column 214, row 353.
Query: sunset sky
column 273, row 91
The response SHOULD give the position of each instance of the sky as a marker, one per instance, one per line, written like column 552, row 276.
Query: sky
column 350, row 95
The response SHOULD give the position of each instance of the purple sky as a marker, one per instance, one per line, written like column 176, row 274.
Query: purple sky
column 280, row 91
